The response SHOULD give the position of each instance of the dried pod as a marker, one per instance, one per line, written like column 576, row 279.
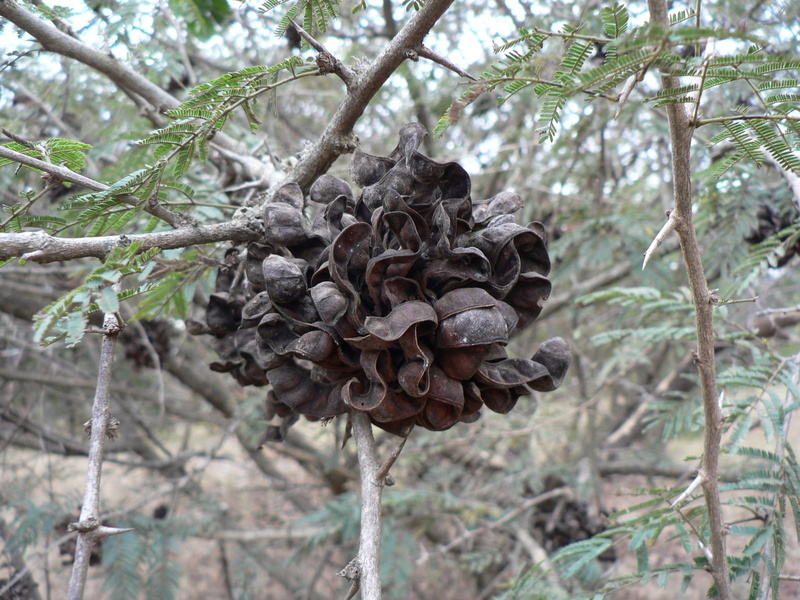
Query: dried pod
column 284, row 225
column 399, row 303
column 504, row 203
column 256, row 253
column 328, row 188
column 221, row 314
column 291, row 194
column 284, row 279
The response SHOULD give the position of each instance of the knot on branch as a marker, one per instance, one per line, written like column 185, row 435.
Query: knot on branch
column 112, row 429
column 346, row 145
column 351, row 571
column 112, row 324
column 327, row 63
column 86, row 526
column 52, row 180
column 398, row 303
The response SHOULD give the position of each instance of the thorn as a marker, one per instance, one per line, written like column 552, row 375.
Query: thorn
column 706, row 551
column 103, row 531
column 353, row 590
column 692, row 487
column 383, row 473
column 627, row 88
column 668, row 228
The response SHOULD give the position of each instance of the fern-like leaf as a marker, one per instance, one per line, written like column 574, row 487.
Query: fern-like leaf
column 615, row 20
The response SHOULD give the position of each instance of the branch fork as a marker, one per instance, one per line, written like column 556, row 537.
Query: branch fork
column 326, row 61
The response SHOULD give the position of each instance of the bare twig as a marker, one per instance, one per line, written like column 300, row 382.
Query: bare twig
column 67, row 174
column 287, row 534
column 383, row 472
column 527, row 505
column 369, row 547
column 326, row 61
column 41, row 247
column 697, row 481
column 89, row 528
column 129, row 80
column 681, row 132
column 425, row 52
column 779, row 311
column 364, row 570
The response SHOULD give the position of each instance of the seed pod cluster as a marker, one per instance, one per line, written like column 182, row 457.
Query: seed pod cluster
column 398, row 303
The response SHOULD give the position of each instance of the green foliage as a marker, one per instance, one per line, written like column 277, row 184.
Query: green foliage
column 32, row 522
column 202, row 16
column 67, row 318
column 57, row 151
column 144, row 563
column 628, row 56
column 316, row 13
column 615, row 20
column 171, row 285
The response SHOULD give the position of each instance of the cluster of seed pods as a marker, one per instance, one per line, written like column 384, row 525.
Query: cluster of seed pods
column 398, row 303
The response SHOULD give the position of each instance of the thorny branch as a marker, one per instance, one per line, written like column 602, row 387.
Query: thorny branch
column 128, row 80
column 337, row 138
column 89, row 528
column 681, row 131
column 425, row 52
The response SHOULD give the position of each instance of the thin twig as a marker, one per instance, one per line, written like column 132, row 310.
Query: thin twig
column 337, row 66
column 527, row 505
column 425, row 52
column 369, row 548
column 89, row 528
column 67, row 174
column 697, row 481
column 130, row 81
column 681, row 131
column 383, row 472
column 709, row 121
column 338, row 137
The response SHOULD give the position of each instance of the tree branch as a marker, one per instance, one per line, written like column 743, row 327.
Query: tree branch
column 89, row 528
column 681, row 132
column 369, row 547
column 54, row 40
column 338, row 138
column 129, row 80
column 365, row 569
column 330, row 62
column 425, row 52
column 67, row 174
column 41, row 247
